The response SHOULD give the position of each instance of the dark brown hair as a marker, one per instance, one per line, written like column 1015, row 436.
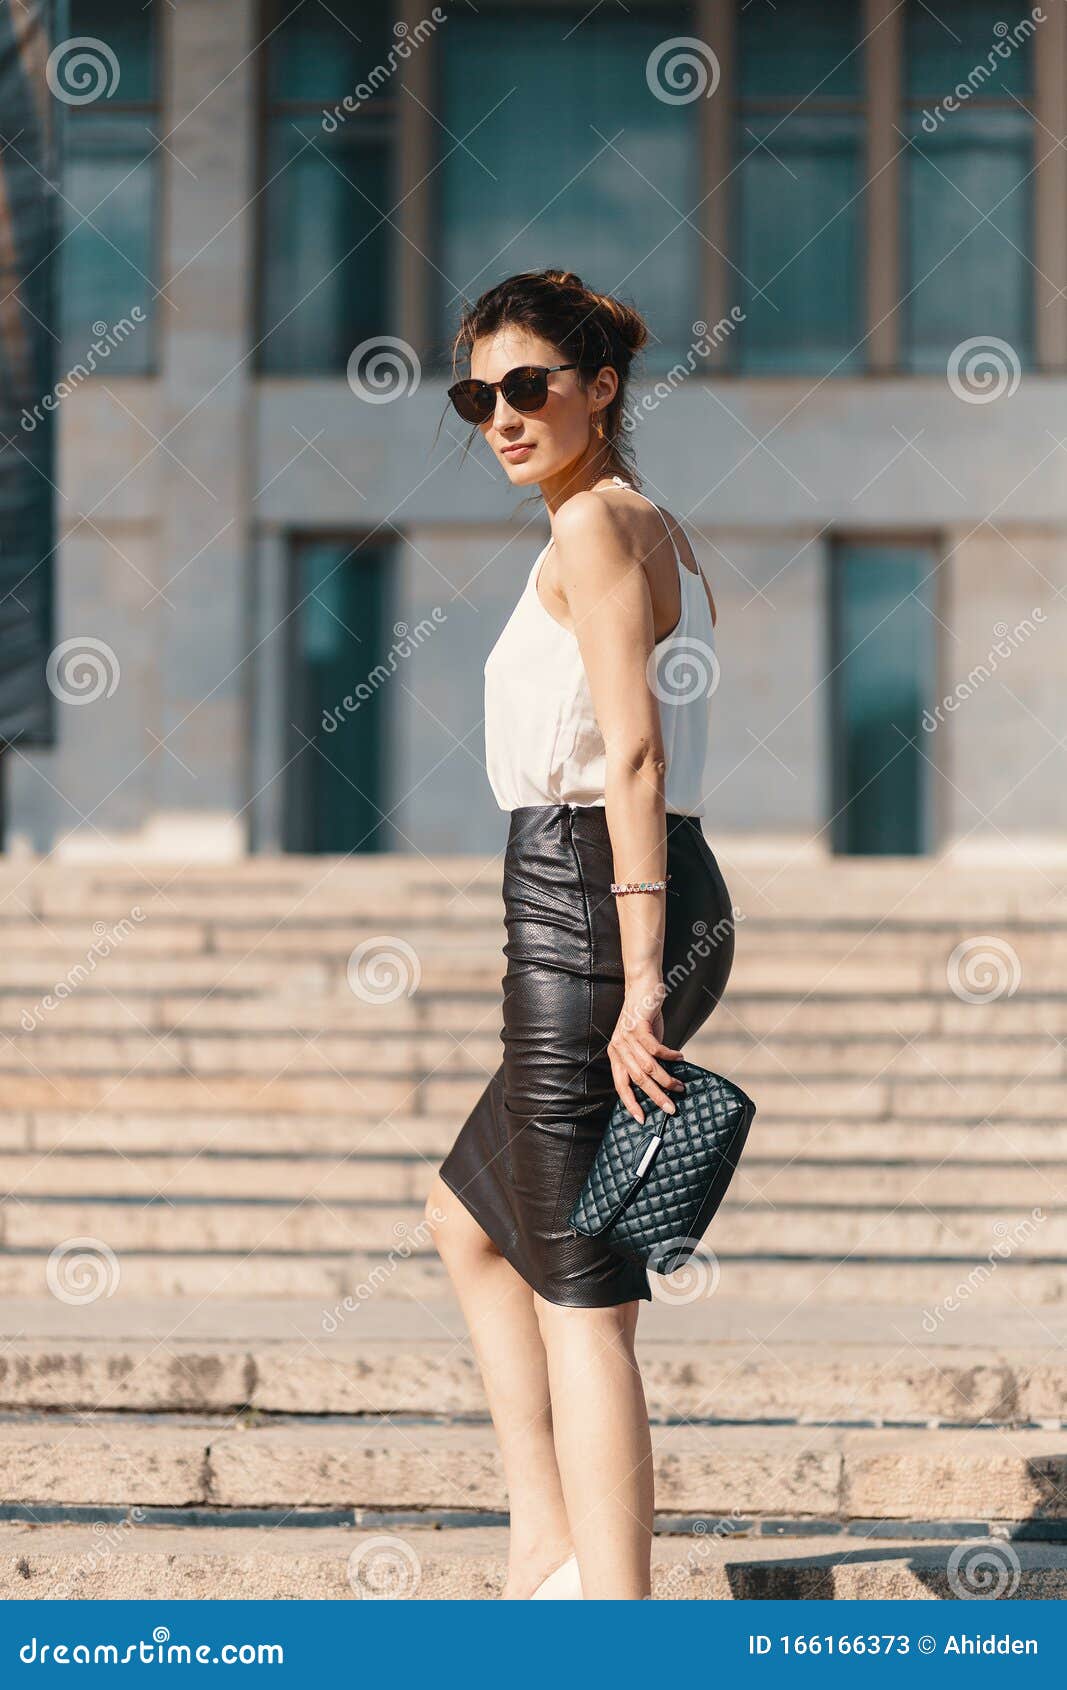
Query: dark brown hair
column 591, row 329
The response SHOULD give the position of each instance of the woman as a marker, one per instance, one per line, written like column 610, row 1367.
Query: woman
column 598, row 755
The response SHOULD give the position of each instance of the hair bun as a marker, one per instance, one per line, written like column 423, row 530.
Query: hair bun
column 564, row 279
column 626, row 324
column 629, row 325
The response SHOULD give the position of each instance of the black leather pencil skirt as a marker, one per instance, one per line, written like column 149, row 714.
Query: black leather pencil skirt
column 523, row 1153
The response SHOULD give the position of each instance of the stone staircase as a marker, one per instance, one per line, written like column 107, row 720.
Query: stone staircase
column 230, row 1362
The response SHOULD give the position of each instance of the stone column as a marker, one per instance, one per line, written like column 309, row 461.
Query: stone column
column 206, row 417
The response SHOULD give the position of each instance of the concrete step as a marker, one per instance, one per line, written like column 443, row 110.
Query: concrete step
column 166, row 1272
column 323, row 1222
column 371, row 1095
column 831, row 1282
column 414, row 1056
column 176, row 959
column 91, row 942
column 398, row 1054
column 716, row 1359
column 906, row 895
column 920, row 894
column 821, row 1015
column 357, row 1175
column 245, row 1132
column 350, row 1178
column 153, row 1563
column 162, row 935
column 449, row 966
column 281, row 872
column 893, row 1140
column 861, row 1099
column 754, row 1472
column 360, row 899
column 358, row 892
column 771, row 882
column 250, row 1012
column 956, row 1180
column 31, row 976
column 330, row 915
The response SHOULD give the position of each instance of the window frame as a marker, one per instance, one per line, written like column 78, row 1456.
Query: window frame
column 430, row 339
column 885, row 105
column 70, row 116
column 415, row 154
column 855, row 106
column 296, row 830
column 908, row 105
column 383, row 113
column 838, row 542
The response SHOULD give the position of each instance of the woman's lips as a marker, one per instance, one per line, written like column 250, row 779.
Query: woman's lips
column 517, row 451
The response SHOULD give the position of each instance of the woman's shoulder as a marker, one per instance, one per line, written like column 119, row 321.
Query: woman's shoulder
column 585, row 514
column 619, row 514
column 618, row 526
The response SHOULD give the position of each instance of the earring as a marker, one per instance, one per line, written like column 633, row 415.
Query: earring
column 598, row 425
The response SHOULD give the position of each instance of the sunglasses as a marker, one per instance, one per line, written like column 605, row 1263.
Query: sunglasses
column 525, row 388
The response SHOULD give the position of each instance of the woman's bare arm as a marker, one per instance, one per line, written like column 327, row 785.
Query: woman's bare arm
column 599, row 548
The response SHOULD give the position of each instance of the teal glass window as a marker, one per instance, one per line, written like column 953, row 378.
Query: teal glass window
column 108, row 265
column 883, row 676
column 798, row 182
column 967, row 180
column 327, row 184
column 338, row 697
column 556, row 153
column 951, row 40
column 321, row 52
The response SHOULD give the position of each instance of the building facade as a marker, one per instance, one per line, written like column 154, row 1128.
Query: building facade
column 280, row 569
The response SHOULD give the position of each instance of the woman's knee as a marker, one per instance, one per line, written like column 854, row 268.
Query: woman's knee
column 565, row 1328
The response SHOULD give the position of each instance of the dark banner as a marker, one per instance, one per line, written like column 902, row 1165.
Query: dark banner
column 28, row 236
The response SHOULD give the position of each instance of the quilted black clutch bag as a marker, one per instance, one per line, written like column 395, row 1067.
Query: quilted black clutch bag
column 653, row 1187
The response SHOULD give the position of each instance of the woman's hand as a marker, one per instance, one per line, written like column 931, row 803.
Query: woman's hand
column 636, row 1046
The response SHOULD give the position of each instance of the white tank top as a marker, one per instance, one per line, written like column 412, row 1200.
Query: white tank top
column 542, row 741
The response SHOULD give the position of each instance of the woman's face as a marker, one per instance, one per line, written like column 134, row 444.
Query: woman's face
column 536, row 446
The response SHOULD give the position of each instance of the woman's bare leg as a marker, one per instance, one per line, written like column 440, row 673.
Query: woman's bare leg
column 603, row 1446
column 498, row 1307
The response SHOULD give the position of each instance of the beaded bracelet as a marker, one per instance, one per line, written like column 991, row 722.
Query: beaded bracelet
column 618, row 886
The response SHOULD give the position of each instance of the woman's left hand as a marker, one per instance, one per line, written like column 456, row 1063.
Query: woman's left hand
column 635, row 1049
